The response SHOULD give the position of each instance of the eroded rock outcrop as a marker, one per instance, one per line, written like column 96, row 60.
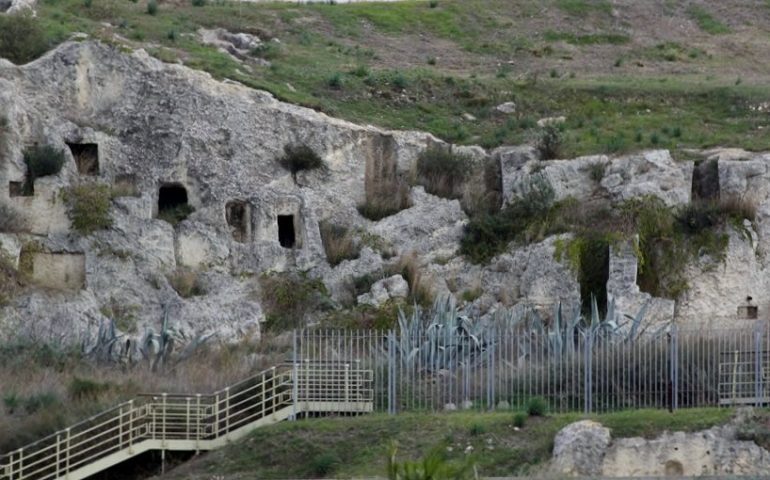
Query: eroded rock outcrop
column 585, row 448
column 163, row 135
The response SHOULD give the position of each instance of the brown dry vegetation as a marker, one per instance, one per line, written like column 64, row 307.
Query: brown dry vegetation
column 44, row 389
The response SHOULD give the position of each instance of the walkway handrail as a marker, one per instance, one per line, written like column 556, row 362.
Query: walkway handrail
column 185, row 417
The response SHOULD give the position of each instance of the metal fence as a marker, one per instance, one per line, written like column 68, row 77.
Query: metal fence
column 431, row 371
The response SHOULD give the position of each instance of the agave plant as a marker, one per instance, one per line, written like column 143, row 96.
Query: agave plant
column 440, row 339
column 444, row 338
column 156, row 348
column 107, row 346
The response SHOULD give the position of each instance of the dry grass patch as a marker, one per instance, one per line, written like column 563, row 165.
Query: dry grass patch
column 339, row 243
column 187, row 283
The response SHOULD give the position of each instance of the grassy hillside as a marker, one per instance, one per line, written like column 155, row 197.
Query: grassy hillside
column 357, row 447
column 626, row 75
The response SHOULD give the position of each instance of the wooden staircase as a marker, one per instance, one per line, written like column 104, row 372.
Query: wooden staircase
column 191, row 422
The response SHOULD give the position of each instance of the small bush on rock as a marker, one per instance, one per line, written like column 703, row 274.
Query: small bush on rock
column 443, row 172
column 88, row 206
column 339, row 243
column 22, row 39
column 300, row 157
column 187, row 283
column 519, row 419
column 42, row 161
column 537, row 407
column 286, row 298
column 526, row 218
column 324, row 464
column 550, row 142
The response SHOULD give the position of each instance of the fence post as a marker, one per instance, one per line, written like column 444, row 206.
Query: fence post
column 130, row 424
column 347, row 384
column 587, row 372
column 674, row 374
column 216, row 415
column 120, row 428
column 294, row 386
column 391, row 372
column 757, row 366
column 58, row 454
column 197, row 422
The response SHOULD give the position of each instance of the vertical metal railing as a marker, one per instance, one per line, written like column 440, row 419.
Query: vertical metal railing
column 674, row 367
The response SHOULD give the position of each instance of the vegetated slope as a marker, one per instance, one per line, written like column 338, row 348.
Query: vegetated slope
column 358, row 447
column 626, row 75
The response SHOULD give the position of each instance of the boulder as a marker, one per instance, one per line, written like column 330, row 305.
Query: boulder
column 384, row 290
column 579, row 449
column 507, row 108
column 649, row 173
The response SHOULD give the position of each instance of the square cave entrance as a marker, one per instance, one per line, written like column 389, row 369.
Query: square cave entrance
column 86, row 157
column 171, row 196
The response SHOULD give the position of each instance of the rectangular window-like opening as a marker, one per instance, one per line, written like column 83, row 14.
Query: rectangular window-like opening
column 748, row 312
column 238, row 215
column 86, row 157
column 20, row 189
column 286, row 232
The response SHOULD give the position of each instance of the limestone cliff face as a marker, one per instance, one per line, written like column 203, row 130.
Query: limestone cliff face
column 158, row 125
column 167, row 133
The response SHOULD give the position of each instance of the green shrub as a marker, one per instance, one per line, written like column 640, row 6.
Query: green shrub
column 597, row 171
column 175, row 215
column 187, row 283
column 152, row 7
column 42, row 161
column 339, row 243
column 706, row 21
column 84, row 389
column 300, row 157
column 12, row 401
column 88, row 207
column 287, row 297
column 433, row 3
column 22, row 38
column 335, row 81
column 550, row 142
column 526, row 218
column 696, row 217
column 399, row 81
column 433, row 466
column 40, row 401
column 267, row 50
column 324, row 464
column 537, row 407
column 471, row 294
column 477, row 429
column 443, row 172
column 519, row 419
column 198, row 3
column 360, row 71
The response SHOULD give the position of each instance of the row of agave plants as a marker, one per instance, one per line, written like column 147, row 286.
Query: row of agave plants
column 444, row 336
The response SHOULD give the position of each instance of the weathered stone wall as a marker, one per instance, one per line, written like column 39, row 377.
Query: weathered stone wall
column 155, row 124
